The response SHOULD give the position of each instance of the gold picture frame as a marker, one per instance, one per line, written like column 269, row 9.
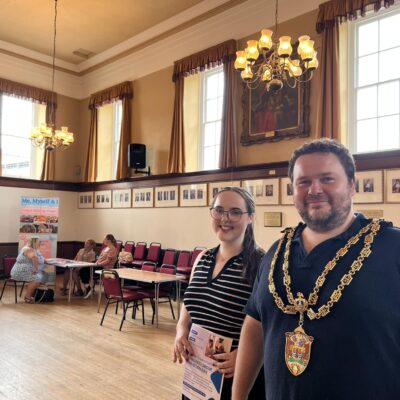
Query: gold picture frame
column 392, row 186
column 286, row 190
column 102, row 199
column 264, row 191
column 166, row 196
column 143, row 197
column 369, row 187
column 215, row 187
column 122, row 198
column 85, row 200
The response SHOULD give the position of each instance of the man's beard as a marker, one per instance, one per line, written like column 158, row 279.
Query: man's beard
column 340, row 209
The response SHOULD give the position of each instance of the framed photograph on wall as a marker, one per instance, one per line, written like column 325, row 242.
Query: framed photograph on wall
column 102, row 199
column 264, row 191
column 122, row 198
column 369, row 187
column 194, row 195
column 142, row 197
column 166, row 196
column 85, row 200
column 215, row 187
column 392, row 186
column 286, row 191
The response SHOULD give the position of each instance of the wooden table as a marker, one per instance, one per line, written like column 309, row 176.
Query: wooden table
column 71, row 264
column 149, row 277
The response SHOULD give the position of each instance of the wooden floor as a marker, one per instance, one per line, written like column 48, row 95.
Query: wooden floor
column 58, row 351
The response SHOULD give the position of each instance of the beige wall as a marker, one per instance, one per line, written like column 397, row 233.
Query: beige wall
column 153, row 104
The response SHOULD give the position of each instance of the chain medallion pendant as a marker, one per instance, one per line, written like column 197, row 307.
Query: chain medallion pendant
column 297, row 350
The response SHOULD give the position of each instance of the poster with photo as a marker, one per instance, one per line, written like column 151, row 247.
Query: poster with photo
column 368, row 187
column 85, row 200
column 142, row 197
column 194, row 195
column 286, row 191
column 122, row 198
column 39, row 219
column 102, row 199
column 166, row 196
column 264, row 191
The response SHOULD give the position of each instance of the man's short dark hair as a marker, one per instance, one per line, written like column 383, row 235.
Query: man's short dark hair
column 325, row 146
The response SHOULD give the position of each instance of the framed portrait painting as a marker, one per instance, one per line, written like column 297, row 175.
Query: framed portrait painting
column 194, row 195
column 286, row 191
column 369, row 187
column 264, row 191
column 215, row 187
column 142, row 197
column 166, row 196
column 122, row 198
column 102, row 199
column 392, row 186
column 271, row 117
column 85, row 200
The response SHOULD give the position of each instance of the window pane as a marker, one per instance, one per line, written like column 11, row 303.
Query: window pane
column 220, row 104
column 388, row 98
column 368, row 38
column 389, row 67
column 389, row 32
column 218, row 132
column 367, row 135
column 221, row 84
column 212, row 86
column 368, row 70
column 211, row 110
column 209, row 158
column 209, row 134
column 366, row 102
column 388, row 128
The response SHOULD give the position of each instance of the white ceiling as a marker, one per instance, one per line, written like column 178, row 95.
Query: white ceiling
column 93, row 25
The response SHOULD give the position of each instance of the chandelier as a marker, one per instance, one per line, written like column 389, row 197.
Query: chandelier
column 45, row 136
column 277, row 64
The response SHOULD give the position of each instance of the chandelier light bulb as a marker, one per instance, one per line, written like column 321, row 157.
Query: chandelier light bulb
column 306, row 50
column 247, row 74
column 285, row 48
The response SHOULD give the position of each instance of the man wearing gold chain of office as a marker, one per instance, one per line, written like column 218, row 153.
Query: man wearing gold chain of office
column 326, row 304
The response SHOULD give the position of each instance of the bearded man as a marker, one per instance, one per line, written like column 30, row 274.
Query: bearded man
column 326, row 304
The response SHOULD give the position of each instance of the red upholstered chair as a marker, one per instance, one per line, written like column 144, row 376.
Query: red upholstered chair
column 183, row 266
column 114, row 294
column 139, row 255
column 129, row 246
column 169, row 258
column 153, row 255
column 8, row 263
column 196, row 251
column 165, row 291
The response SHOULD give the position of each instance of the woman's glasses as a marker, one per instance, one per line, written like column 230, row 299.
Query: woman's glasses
column 233, row 214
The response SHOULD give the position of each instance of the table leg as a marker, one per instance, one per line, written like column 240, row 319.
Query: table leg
column 99, row 296
column 157, row 294
column 178, row 297
column 91, row 280
column 70, row 284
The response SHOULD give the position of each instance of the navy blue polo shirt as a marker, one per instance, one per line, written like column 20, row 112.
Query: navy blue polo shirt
column 356, row 350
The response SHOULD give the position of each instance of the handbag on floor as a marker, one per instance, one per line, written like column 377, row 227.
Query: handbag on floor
column 44, row 296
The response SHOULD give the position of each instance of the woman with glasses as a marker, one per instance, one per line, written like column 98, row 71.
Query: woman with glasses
column 221, row 283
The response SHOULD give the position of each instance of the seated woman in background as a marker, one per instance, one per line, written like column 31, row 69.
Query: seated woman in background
column 86, row 254
column 29, row 268
column 107, row 258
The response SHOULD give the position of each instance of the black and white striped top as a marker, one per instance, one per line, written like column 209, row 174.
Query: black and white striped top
column 217, row 304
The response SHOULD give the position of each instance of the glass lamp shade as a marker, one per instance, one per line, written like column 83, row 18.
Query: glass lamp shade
column 306, row 49
column 252, row 50
column 265, row 42
column 241, row 60
column 285, row 48
column 313, row 64
column 247, row 73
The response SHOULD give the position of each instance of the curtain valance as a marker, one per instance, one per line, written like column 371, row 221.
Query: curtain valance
column 121, row 91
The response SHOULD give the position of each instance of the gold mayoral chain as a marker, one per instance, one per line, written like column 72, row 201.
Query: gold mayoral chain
column 298, row 343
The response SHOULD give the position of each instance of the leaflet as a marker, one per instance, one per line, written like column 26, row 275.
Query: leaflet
column 200, row 378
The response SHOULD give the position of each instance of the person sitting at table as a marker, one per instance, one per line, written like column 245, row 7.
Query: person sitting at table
column 85, row 254
column 29, row 268
column 108, row 257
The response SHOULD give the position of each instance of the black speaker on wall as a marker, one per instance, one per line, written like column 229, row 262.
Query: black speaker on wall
column 136, row 155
